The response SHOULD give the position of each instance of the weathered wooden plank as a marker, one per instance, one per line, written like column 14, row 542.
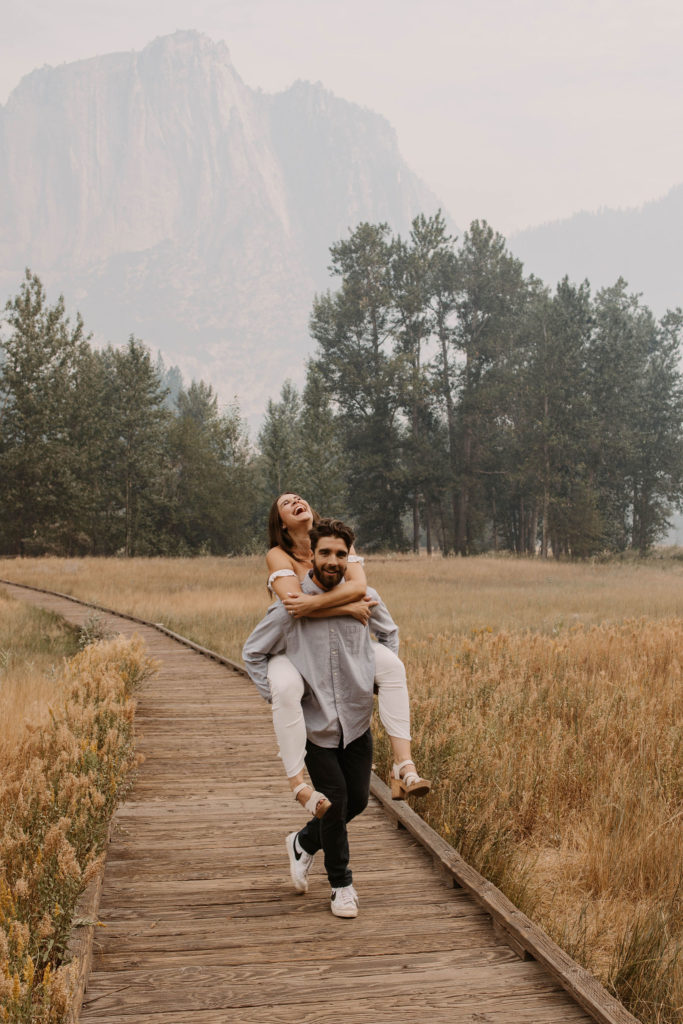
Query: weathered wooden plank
column 206, row 988
column 193, row 893
column 291, row 939
column 437, row 1008
column 211, row 949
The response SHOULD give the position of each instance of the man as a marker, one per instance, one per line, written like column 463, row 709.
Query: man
column 336, row 660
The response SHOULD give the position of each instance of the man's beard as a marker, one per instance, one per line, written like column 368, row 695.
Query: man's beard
column 327, row 581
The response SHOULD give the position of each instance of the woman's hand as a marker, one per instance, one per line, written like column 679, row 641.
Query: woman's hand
column 299, row 605
column 361, row 610
column 303, row 605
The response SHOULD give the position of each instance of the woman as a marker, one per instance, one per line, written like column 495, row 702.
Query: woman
column 289, row 560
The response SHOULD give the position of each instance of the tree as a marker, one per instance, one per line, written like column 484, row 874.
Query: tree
column 324, row 458
column 443, row 300
column 550, row 419
column 657, row 454
column 616, row 362
column 417, row 280
column 491, row 292
column 356, row 360
column 282, row 444
column 138, row 500
column 211, row 492
column 39, row 376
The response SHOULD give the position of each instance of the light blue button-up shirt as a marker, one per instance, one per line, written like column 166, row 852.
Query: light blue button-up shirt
column 335, row 658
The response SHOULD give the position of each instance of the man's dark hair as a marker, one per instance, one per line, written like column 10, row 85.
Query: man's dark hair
column 332, row 528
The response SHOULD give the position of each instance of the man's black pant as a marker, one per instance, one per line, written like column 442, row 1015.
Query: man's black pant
column 343, row 775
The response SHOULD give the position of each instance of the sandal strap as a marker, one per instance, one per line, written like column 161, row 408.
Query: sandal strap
column 396, row 770
column 314, row 799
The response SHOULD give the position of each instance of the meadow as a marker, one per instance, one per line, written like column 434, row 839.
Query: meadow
column 547, row 707
column 66, row 758
column 33, row 645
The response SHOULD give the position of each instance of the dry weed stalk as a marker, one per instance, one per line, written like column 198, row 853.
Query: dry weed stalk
column 56, row 798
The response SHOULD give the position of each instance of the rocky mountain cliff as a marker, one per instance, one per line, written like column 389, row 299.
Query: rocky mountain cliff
column 641, row 245
column 166, row 198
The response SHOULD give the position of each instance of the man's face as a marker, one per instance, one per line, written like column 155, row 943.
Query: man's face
column 329, row 561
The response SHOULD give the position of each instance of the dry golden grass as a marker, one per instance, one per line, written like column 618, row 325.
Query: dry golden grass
column 58, row 790
column 558, row 761
column 547, row 706
column 216, row 601
column 33, row 645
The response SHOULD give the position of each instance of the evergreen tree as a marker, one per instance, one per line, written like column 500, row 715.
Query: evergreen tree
column 211, row 492
column 325, row 464
column 416, row 287
column 42, row 352
column 282, row 445
column 444, row 300
column 138, row 434
column 491, row 294
column 363, row 374
column 548, row 427
column 617, row 363
column 656, row 471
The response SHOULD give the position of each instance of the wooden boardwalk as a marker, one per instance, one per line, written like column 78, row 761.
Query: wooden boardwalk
column 200, row 924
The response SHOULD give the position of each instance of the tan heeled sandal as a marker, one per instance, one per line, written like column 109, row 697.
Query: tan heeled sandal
column 317, row 803
column 409, row 784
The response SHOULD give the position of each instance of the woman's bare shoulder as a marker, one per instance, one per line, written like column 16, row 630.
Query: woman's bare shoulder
column 276, row 558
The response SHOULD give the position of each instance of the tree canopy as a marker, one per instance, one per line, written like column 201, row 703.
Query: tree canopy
column 451, row 402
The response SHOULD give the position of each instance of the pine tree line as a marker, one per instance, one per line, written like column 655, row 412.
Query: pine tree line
column 473, row 410
column 452, row 402
column 102, row 451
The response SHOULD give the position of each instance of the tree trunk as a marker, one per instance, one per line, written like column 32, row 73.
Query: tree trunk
column 522, row 527
column 546, row 488
column 416, row 524
column 450, row 419
column 533, row 530
column 445, row 543
column 463, row 496
column 128, row 517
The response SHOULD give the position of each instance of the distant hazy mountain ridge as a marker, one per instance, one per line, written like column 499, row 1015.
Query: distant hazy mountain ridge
column 165, row 197
column 641, row 245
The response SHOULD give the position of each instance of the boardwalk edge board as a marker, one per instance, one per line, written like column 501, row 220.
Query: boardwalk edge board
column 79, row 948
column 521, row 934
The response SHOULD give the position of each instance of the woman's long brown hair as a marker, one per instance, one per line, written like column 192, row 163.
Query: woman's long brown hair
column 278, row 535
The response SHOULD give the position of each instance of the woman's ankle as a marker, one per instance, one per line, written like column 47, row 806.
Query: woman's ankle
column 296, row 780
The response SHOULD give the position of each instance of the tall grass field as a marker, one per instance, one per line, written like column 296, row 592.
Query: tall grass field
column 547, row 706
column 66, row 758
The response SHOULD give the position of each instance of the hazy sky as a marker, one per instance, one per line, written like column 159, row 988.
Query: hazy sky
column 518, row 111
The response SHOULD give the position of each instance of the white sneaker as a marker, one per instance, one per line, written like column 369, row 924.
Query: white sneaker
column 299, row 863
column 344, row 902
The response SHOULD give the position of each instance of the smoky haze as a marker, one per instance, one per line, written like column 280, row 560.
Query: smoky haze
column 517, row 112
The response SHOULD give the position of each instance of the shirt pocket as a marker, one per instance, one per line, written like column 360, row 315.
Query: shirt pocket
column 352, row 635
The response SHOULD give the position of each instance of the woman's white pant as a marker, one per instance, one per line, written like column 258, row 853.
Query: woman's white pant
column 287, row 689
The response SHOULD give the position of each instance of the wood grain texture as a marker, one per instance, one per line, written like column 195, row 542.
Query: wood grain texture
column 199, row 921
